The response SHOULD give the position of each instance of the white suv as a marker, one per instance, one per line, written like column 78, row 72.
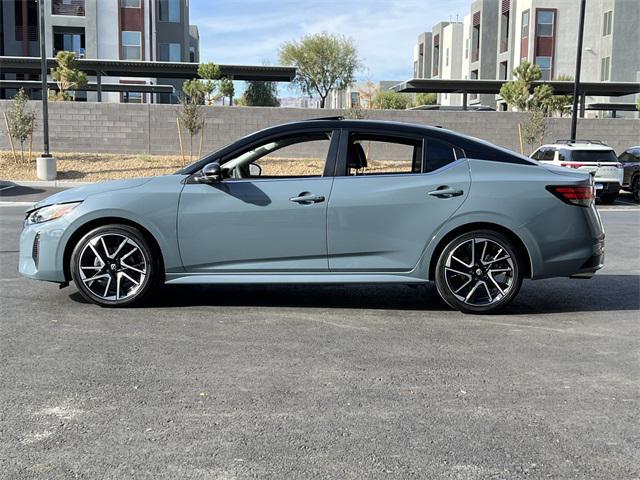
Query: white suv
column 590, row 156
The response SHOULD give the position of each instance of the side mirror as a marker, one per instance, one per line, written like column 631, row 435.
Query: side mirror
column 211, row 173
column 255, row 170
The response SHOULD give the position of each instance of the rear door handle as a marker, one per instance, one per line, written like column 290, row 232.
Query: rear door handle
column 445, row 192
column 306, row 198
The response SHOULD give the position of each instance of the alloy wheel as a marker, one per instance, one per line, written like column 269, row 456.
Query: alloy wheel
column 112, row 266
column 479, row 272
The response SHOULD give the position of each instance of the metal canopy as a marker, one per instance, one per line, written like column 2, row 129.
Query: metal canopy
column 609, row 89
column 127, row 68
column 91, row 87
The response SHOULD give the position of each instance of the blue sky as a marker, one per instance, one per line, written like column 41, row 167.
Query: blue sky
column 250, row 31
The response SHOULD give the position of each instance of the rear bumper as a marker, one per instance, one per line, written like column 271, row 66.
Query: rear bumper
column 607, row 187
column 594, row 263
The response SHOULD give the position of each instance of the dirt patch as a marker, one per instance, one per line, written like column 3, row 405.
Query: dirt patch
column 91, row 167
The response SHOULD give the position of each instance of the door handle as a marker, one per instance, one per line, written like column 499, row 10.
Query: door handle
column 306, row 198
column 445, row 192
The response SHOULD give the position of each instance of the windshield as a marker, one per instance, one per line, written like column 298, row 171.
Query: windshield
column 588, row 155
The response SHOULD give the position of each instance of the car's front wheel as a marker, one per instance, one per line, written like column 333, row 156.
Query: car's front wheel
column 479, row 272
column 114, row 266
column 635, row 188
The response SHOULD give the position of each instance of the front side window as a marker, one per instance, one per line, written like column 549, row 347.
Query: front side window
column 380, row 154
column 131, row 45
column 169, row 11
column 301, row 155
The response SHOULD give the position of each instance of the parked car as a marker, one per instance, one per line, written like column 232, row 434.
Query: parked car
column 590, row 156
column 372, row 202
column 630, row 160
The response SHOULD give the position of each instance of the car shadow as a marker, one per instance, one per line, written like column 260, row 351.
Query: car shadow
column 10, row 189
column 601, row 293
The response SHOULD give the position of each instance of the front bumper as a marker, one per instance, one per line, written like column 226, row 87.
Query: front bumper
column 40, row 257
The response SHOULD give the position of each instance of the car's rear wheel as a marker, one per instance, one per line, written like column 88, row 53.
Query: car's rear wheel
column 479, row 272
column 608, row 198
column 114, row 266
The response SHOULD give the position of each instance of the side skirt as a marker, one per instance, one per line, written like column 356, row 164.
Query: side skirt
column 323, row 278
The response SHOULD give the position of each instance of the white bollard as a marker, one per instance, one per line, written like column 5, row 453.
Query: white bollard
column 46, row 168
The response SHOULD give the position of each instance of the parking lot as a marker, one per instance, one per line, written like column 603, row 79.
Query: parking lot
column 322, row 382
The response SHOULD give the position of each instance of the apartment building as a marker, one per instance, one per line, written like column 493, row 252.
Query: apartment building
column 499, row 34
column 105, row 29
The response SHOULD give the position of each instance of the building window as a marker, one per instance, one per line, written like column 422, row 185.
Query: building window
column 605, row 69
column 475, row 38
column 29, row 24
column 131, row 45
column 544, row 23
column 69, row 39
column 504, row 27
column 607, row 23
column 131, row 97
column 130, row 3
column 73, row 8
column 545, row 64
column 504, row 70
column 192, row 55
column 466, row 48
column 474, row 76
column 447, row 58
column 436, row 55
column 170, row 52
column 169, row 11
column 524, row 36
column 355, row 99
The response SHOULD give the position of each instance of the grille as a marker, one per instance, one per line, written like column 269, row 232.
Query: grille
column 35, row 251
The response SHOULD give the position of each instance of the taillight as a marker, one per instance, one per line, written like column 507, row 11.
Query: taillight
column 572, row 165
column 582, row 196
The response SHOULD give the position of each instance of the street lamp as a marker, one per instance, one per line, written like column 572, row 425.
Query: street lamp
column 576, row 85
column 45, row 163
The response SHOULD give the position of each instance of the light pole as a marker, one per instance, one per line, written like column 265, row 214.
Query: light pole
column 45, row 163
column 576, row 85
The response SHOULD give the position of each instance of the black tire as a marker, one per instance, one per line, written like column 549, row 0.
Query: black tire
column 482, row 271
column 115, row 274
column 635, row 188
column 608, row 198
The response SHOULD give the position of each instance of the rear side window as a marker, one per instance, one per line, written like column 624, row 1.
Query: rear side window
column 439, row 154
column 592, row 156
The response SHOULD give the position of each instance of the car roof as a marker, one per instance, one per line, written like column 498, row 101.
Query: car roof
column 579, row 146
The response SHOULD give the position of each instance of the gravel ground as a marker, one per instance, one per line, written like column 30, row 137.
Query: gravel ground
column 323, row 382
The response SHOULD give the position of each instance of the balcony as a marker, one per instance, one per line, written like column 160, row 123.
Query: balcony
column 74, row 8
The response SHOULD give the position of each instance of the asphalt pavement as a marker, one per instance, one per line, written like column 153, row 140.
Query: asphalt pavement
column 350, row 382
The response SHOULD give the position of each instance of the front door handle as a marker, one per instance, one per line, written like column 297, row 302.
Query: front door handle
column 445, row 192
column 307, row 198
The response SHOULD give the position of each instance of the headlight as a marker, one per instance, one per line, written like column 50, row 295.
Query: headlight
column 50, row 212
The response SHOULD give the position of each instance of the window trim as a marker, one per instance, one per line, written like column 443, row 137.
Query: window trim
column 607, row 27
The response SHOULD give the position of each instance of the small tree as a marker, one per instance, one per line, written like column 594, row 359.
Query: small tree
column 261, row 94
column 210, row 75
column 426, row 98
column 391, row 101
column 21, row 121
column 227, row 90
column 560, row 104
column 67, row 76
column 191, row 117
column 323, row 62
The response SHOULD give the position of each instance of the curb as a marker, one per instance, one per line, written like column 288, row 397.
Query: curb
column 43, row 183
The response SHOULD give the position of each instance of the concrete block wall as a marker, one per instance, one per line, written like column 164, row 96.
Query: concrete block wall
column 151, row 129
